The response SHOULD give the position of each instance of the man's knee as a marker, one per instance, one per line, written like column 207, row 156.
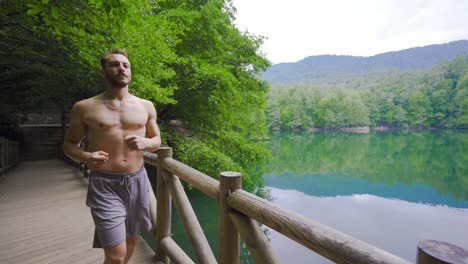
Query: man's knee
column 116, row 255
column 114, row 259
column 132, row 240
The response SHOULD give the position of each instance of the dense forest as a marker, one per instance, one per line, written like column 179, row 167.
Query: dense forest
column 202, row 74
column 188, row 58
column 435, row 97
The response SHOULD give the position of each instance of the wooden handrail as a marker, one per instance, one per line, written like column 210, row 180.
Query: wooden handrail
column 241, row 209
column 199, row 180
column 150, row 158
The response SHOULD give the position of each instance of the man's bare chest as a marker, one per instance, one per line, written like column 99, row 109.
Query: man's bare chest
column 126, row 117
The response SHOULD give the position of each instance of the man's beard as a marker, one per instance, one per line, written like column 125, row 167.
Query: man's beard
column 118, row 82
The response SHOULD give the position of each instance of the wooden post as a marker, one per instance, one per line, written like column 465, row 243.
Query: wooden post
column 189, row 219
column 163, row 200
column 228, row 236
column 178, row 256
column 152, row 159
column 17, row 152
column 254, row 238
column 2, row 155
column 63, row 122
column 63, row 128
column 7, row 154
column 153, row 207
column 438, row 252
column 12, row 152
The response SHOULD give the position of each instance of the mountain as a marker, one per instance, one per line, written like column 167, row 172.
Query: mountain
column 330, row 69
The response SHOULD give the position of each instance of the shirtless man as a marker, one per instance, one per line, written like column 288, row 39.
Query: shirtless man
column 118, row 127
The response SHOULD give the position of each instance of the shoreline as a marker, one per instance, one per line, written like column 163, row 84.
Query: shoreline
column 366, row 129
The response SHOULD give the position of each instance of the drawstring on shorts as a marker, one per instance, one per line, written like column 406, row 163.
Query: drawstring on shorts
column 125, row 181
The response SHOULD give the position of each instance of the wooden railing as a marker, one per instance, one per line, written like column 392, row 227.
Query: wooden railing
column 240, row 214
column 9, row 154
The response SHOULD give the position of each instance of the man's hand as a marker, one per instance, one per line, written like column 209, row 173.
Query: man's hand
column 135, row 142
column 97, row 159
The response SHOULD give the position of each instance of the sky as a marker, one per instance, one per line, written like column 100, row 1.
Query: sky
column 295, row 29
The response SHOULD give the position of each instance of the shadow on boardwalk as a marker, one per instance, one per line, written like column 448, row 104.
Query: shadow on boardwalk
column 44, row 218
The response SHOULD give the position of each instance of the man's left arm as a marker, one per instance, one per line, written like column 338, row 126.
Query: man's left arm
column 153, row 136
column 152, row 140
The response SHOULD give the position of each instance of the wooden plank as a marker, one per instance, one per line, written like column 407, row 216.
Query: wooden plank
column 43, row 253
column 41, row 242
column 45, row 219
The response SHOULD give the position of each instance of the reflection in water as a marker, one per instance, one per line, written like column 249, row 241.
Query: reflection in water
column 389, row 189
column 338, row 184
column 434, row 158
column 391, row 224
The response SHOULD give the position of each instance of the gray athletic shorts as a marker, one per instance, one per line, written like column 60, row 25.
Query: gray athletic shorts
column 119, row 206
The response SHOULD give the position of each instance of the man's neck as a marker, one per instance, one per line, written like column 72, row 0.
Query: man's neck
column 117, row 93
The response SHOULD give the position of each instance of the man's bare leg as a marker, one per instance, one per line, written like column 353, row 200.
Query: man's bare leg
column 116, row 255
column 131, row 244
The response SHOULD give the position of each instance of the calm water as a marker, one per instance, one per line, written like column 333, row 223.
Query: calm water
column 390, row 189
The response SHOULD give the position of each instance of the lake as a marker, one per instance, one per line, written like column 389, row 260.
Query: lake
column 390, row 189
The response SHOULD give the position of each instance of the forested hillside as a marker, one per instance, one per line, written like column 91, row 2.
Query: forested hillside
column 435, row 97
column 187, row 57
column 333, row 69
column 201, row 72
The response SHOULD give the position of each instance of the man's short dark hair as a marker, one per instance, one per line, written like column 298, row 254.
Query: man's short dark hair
column 112, row 51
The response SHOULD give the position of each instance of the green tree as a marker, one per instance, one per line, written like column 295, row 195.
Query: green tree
column 357, row 112
column 418, row 109
column 400, row 116
column 461, row 102
column 187, row 57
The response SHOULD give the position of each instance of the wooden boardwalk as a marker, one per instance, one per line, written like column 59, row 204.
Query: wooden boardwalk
column 44, row 218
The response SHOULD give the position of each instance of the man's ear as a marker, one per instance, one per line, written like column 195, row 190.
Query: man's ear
column 102, row 73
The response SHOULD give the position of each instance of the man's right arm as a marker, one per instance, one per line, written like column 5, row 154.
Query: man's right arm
column 75, row 134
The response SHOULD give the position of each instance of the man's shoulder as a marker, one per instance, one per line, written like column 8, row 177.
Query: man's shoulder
column 86, row 103
column 148, row 105
column 139, row 99
column 144, row 101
